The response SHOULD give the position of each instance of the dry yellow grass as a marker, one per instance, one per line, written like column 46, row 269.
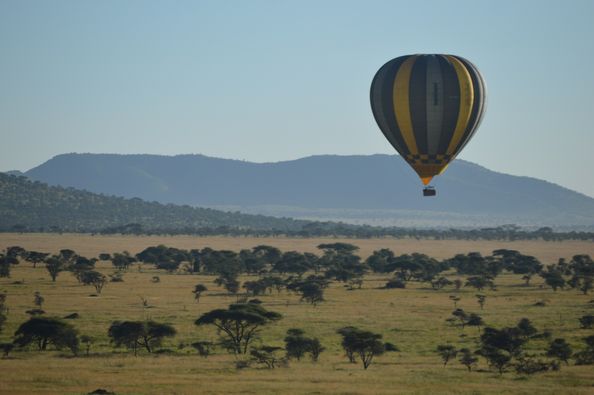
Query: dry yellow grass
column 412, row 318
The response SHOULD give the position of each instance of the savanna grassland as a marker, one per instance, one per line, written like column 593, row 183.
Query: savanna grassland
column 413, row 318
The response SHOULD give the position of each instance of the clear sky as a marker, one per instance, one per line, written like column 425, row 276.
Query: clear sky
column 275, row 80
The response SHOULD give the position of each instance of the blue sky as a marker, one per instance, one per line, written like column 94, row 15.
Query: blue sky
column 275, row 80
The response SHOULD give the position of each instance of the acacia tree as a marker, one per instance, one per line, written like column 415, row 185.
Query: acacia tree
column 559, row 349
column 257, row 287
column 87, row 341
column 35, row 257
column 475, row 320
column 268, row 254
column 553, row 276
column 499, row 346
column 365, row 344
column 16, row 252
column 44, row 331
column 519, row 264
column 582, row 269
column 587, row 321
column 526, row 329
column 121, row 261
column 461, row 316
column 228, row 280
column 80, row 266
column 586, row 356
column 54, row 266
column 250, row 262
column 297, row 345
column 311, row 292
column 294, row 262
column 267, row 356
column 5, row 262
column 480, row 282
column 481, row 300
column 198, row 290
column 348, row 350
column 134, row 334
column 38, row 299
column 95, row 279
column 467, row 358
column 380, row 260
column 240, row 323
column 446, row 352
column 67, row 255
column 203, row 348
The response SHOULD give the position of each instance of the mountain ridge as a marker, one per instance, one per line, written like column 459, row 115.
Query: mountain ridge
column 320, row 184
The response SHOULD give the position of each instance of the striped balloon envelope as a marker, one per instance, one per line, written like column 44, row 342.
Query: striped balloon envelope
column 428, row 107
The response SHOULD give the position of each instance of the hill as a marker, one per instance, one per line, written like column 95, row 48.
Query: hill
column 375, row 189
column 34, row 206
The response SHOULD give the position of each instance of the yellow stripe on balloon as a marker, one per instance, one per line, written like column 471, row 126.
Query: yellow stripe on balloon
column 400, row 96
column 466, row 101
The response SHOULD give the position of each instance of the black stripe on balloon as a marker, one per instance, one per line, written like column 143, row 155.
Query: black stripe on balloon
column 382, row 104
column 451, row 103
column 417, row 97
column 478, row 104
column 375, row 95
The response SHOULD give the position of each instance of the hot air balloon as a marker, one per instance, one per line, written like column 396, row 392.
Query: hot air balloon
column 428, row 107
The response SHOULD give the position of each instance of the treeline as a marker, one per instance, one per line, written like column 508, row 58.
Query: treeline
column 313, row 229
column 309, row 274
column 28, row 206
column 31, row 206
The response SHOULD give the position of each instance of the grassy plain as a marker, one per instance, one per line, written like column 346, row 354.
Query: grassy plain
column 412, row 318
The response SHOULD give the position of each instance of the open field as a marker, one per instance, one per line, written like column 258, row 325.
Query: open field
column 412, row 318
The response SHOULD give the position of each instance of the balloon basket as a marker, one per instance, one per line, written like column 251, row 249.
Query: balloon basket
column 429, row 191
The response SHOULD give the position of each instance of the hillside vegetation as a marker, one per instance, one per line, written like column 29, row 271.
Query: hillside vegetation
column 26, row 206
column 30, row 206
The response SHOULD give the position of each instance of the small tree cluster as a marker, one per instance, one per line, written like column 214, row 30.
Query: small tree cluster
column 586, row 356
column 269, row 356
column 134, row 334
column 363, row 344
column 297, row 345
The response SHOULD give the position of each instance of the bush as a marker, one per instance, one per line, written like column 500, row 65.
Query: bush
column 587, row 321
column 117, row 277
column 241, row 364
column 586, row 357
column 395, row 283
column 532, row 366
column 267, row 356
column 6, row 348
column 203, row 348
column 134, row 334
